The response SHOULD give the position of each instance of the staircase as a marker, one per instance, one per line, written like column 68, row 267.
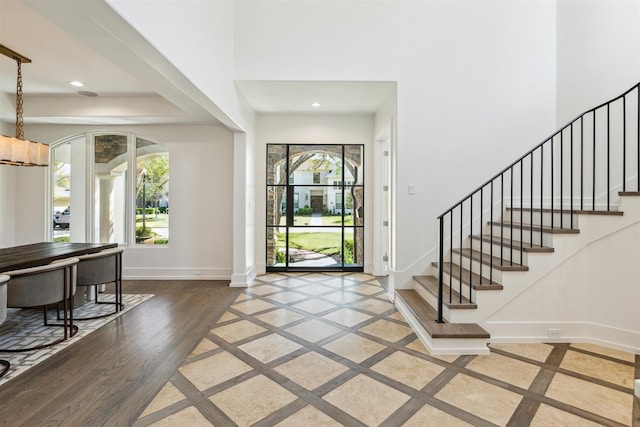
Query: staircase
column 515, row 235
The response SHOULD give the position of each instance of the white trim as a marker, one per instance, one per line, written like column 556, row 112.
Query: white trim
column 240, row 208
column 154, row 273
column 243, row 280
column 381, row 231
column 442, row 346
column 571, row 332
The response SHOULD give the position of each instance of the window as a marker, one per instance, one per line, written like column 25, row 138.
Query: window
column 152, row 193
column 114, row 213
column 110, row 187
column 314, row 221
column 61, row 215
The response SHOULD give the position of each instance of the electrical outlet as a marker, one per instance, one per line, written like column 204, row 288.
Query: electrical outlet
column 553, row 333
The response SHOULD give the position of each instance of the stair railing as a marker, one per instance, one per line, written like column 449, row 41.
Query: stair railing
column 576, row 169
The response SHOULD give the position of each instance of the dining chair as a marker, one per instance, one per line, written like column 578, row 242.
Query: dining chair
column 101, row 268
column 3, row 316
column 43, row 286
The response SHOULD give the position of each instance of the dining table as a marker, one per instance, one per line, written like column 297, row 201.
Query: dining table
column 42, row 253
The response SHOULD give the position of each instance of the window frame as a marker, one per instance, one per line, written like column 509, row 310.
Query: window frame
column 90, row 186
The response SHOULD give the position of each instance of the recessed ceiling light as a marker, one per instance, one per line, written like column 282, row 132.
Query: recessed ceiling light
column 76, row 83
column 315, row 104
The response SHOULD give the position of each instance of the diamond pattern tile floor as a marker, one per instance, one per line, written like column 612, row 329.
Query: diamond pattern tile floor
column 323, row 349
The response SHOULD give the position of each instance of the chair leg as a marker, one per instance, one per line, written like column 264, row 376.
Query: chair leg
column 73, row 329
column 6, row 368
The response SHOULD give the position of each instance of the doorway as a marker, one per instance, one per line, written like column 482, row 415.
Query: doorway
column 315, row 207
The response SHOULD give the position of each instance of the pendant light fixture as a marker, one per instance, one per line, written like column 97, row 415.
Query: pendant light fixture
column 18, row 151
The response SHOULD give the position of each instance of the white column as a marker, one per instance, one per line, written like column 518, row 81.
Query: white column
column 107, row 223
column 240, row 276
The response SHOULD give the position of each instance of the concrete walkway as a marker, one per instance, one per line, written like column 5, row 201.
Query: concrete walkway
column 304, row 258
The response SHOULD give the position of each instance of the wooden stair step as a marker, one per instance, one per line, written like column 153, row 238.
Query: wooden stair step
column 427, row 315
column 568, row 211
column 451, row 298
column 545, row 228
column 629, row 193
column 477, row 282
column 515, row 244
column 487, row 259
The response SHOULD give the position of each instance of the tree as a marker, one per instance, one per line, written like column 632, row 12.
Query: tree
column 157, row 171
column 62, row 174
column 282, row 169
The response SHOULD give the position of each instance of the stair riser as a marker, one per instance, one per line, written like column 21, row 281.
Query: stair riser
column 475, row 267
column 507, row 253
column 527, row 216
column 433, row 301
column 455, row 284
column 547, row 238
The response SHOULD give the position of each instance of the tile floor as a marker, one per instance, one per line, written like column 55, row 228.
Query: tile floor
column 319, row 349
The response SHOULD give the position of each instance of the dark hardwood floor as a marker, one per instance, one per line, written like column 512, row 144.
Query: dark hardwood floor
column 108, row 377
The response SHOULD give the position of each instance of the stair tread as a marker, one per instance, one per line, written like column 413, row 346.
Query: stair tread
column 477, row 282
column 487, row 259
column 535, row 227
column 629, row 193
column 568, row 211
column 451, row 297
column 427, row 316
column 526, row 247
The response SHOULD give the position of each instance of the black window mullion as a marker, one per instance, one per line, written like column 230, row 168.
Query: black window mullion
column 343, row 208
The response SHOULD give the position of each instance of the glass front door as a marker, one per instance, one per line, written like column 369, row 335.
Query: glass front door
column 315, row 207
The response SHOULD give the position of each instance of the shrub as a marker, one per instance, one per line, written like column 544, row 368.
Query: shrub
column 143, row 232
column 161, row 241
column 62, row 239
column 306, row 211
column 348, row 251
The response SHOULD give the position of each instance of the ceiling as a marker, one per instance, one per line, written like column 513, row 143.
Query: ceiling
column 70, row 40
column 332, row 97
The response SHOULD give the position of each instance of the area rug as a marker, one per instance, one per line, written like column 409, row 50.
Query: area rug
column 25, row 328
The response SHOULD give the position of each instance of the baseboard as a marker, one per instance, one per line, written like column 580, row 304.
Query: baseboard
column 243, row 280
column 442, row 346
column 148, row 273
column 567, row 332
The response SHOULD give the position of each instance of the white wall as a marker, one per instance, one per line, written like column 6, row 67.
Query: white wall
column 7, row 205
column 313, row 129
column 21, row 200
column 598, row 53
column 198, row 38
column 591, row 296
column 201, row 162
column 7, row 196
column 30, row 205
column 476, row 86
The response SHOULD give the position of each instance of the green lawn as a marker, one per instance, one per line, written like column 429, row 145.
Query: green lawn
column 323, row 243
column 326, row 220
column 153, row 221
